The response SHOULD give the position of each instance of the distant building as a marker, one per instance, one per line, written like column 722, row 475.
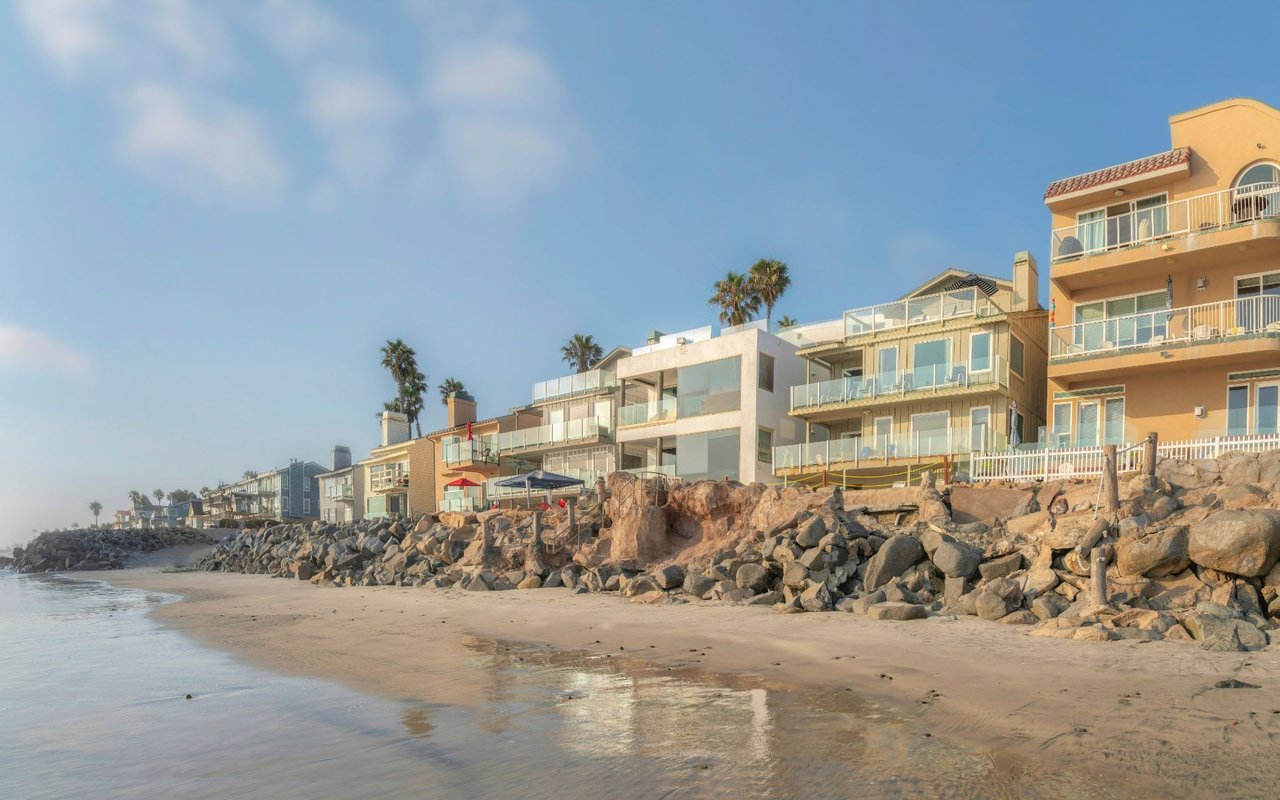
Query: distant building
column 289, row 494
column 342, row 495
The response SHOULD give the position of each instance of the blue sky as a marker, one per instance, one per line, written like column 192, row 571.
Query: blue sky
column 214, row 213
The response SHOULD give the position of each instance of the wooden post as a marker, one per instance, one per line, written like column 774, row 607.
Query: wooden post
column 1149, row 454
column 1110, row 484
column 1098, row 575
column 537, row 526
column 573, row 526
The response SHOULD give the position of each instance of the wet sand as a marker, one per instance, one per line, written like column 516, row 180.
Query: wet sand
column 1106, row 719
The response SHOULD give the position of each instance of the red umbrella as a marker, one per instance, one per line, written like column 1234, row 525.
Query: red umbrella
column 462, row 482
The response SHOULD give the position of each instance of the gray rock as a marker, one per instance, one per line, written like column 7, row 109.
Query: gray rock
column 697, row 584
column 897, row 612
column 670, row 576
column 1000, row 567
column 892, row 559
column 990, row 605
column 810, row 532
column 812, row 559
column 865, row 602
column 1218, row 633
column 765, row 599
column 1243, row 542
column 530, row 582
column 816, row 598
column 795, row 575
column 1049, row 605
column 754, row 577
column 956, row 560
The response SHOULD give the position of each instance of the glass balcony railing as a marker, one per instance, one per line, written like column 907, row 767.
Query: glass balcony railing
column 469, row 498
column 1244, row 316
column 919, row 381
column 482, row 449
column 663, row 410
column 571, row 385
column 556, row 433
column 927, row 310
column 1192, row 215
column 850, row 452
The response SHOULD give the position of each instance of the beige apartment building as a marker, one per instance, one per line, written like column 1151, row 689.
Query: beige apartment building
column 1165, row 286
column 954, row 367
column 468, row 451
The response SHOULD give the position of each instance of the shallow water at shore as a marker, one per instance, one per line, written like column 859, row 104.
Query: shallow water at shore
column 92, row 705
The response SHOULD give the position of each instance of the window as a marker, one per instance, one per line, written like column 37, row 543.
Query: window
column 709, row 388
column 1113, row 422
column 1257, row 193
column 930, row 363
column 1015, row 355
column 1268, row 395
column 980, row 351
column 764, row 446
column 1061, row 424
column 1122, row 321
column 1237, row 410
column 887, row 366
column 979, row 428
column 708, row 456
column 306, row 506
column 766, row 372
column 1258, row 301
column 929, row 433
column 883, row 435
column 1087, row 425
column 1122, row 223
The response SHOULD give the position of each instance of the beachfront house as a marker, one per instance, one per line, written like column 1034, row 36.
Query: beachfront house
column 342, row 495
column 468, row 454
column 287, row 494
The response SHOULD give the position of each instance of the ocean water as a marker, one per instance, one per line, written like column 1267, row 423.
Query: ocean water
column 93, row 705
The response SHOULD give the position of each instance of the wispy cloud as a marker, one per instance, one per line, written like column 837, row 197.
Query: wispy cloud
column 69, row 32
column 355, row 110
column 201, row 146
column 24, row 348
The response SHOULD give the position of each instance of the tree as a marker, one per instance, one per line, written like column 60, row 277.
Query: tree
column 180, row 496
column 413, row 399
column 582, row 352
column 205, row 490
column 769, row 281
column 785, row 322
column 411, row 385
column 95, row 508
column 447, row 388
column 158, row 494
column 139, row 499
column 737, row 299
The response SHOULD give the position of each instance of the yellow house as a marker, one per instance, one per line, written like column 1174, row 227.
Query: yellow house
column 951, row 368
column 1165, row 286
column 399, row 474
column 468, row 450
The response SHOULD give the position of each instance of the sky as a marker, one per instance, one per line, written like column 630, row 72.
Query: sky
column 213, row 214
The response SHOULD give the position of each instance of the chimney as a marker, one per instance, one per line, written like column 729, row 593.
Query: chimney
column 341, row 457
column 460, row 409
column 1026, row 282
column 395, row 428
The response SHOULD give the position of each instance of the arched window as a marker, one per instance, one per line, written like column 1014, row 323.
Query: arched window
column 1257, row 193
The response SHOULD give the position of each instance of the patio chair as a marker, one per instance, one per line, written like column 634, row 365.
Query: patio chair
column 959, row 377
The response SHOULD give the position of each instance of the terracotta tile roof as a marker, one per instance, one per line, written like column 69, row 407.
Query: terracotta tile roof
column 1171, row 158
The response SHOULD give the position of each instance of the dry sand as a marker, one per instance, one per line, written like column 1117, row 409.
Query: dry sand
column 1143, row 718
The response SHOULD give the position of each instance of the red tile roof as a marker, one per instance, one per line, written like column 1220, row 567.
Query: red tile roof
column 1172, row 158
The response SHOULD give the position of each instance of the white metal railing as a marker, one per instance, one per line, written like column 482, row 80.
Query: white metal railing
column 386, row 477
column 923, row 380
column 481, row 449
column 575, row 430
column 926, row 310
column 1243, row 316
column 338, row 491
column 851, row 452
column 662, row 410
column 1064, row 462
column 571, row 385
column 1199, row 214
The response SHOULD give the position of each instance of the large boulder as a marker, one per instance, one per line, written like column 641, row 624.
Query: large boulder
column 639, row 532
column 816, row 598
column 1243, row 542
column 754, row 577
column 956, row 560
column 1219, row 632
column 892, row 559
column 898, row 612
column 1156, row 554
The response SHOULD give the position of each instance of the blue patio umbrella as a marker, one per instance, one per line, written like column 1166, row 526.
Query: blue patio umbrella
column 539, row 479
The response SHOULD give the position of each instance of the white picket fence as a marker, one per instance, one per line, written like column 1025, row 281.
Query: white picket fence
column 1077, row 462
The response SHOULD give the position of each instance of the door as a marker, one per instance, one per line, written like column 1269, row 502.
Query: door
column 1237, row 410
column 1087, row 425
column 979, row 429
column 1267, row 396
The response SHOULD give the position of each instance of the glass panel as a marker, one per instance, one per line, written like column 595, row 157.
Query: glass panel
column 766, row 372
column 709, row 388
column 764, row 445
column 980, row 352
column 1061, row 424
column 1114, row 433
column 887, row 363
column 1237, row 410
column 930, row 362
column 1015, row 355
column 1267, row 401
column 929, row 433
column 1091, row 230
column 1151, row 216
column 708, row 456
column 1088, row 424
column 979, row 428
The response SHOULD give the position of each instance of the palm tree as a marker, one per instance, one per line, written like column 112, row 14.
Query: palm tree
column 412, row 400
column 447, row 388
column 138, row 499
column 769, row 280
column 786, row 322
column 204, row 490
column 158, row 494
column 95, row 508
column 737, row 299
column 582, row 352
column 400, row 359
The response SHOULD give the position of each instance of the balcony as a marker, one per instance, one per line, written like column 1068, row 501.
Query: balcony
column 388, row 479
column 932, row 309
column 1228, row 331
column 574, row 385
column 649, row 413
column 468, row 498
column 555, row 434
column 481, row 451
column 888, row 388
column 1184, row 228
column 341, row 492
column 857, row 452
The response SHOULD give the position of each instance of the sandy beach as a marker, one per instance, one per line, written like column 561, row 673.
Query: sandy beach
column 1137, row 719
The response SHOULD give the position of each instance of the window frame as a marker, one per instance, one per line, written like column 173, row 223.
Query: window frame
column 764, row 456
column 1021, row 364
column 1054, row 433
column 1248, row 408
column 1257, row 406
column 990, row 350
column 972, row 409
column 765, row 358
column 949, row 341
column 1097, row 428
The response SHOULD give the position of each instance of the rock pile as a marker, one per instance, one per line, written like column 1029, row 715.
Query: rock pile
column 93, row 549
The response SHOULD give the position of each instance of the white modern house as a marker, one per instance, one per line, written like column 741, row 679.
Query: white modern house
column 700, row 405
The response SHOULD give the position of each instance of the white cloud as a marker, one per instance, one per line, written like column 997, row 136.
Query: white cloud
column 70, row 32
column 354, row 111
column 25, row 348
column 201, row 146
column 300, row 30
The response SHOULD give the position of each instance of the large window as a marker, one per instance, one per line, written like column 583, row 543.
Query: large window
column 1258, row 301
column 1268, row 395
column 708, row 456
column 929, row 433
column 1237, row 410
column 1087, row 425
column 979, row 428
column 1121, row 321
column 709, row 388
column 766, row 372
column 1122, row 223
column 1113, row 424
column 980, row 351
column 887, row 367
column 930, row 362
